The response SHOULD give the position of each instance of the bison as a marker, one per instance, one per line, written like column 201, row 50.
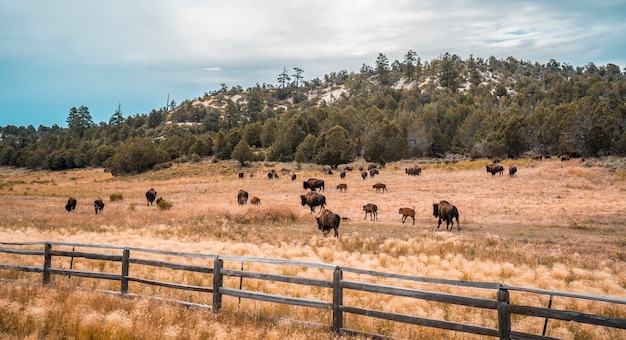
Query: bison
column 71, row 204
column 364, row 174
column 406, row 213
column 313, row 199
column 371, row 209
column 446, row 212
column 241, row 174
column 328, row 220
column 342, row 187
column 151, row 196
column 255, row 200
column 493, row 169
column 380, row 187
column 342, row 175
column 313, row 183
column 293, row 177
column 373, row 172
column 242, row 197
column 414, row 171
column 98, row 205
column 512, row 171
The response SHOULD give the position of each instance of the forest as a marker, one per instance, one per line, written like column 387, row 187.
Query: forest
column 386, row 112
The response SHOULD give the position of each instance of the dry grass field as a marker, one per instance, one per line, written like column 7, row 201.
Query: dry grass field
column 555, row 225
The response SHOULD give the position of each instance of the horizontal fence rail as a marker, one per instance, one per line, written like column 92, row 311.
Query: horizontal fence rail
column 335, row 282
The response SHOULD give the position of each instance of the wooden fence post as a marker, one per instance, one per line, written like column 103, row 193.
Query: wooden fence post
column 337, row 301
column 47, row 263
column 218, row 280
column 504, row 314
column 124, row 285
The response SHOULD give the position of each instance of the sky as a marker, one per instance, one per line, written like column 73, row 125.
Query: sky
column 134, row 55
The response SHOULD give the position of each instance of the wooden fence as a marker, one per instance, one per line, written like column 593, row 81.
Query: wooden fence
column 336, row 282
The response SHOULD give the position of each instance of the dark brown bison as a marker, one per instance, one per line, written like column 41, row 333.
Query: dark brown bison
column 240, row 174
column 98, row 205
column 493, row 169
column 293, row 177
column 71, row 204
column 512, row 171
column 151, row 196
column 446, row 212
column 342, row 175
column 255, row 200
column 313, row 199
column 380, row 187
column 313, row 183
column 414, row 171
column 371, row 209
column 342, row 187
column 364, row 174
column 406, row 213
column 373, row 172
column 242, row 197
column 328, row 220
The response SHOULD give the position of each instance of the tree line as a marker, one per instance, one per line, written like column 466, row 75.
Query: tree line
column 386, row 112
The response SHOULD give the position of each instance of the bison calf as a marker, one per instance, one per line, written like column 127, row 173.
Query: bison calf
column 342, row 187
column 371, row 209
column 98, row 205
column 406, row 213
column 255, row 200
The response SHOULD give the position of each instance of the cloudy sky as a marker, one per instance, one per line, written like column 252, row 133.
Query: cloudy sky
column 55, row 55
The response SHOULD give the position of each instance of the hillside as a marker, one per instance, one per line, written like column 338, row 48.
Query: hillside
column 407, row 109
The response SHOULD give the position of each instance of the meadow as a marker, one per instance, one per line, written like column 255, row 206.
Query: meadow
column 555, row 225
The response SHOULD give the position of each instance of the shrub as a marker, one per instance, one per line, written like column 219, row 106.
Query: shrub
column 116, row 197
column 164, row 205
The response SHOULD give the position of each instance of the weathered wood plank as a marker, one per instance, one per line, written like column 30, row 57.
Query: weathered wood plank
column 279, row 278
column 22, row 251
column 414, row 320
column 91, row 275
column 569, row 316
column 172, row 285
column 608, row 299
column 90, row 256
column 171, row 265
column 276, row 298
column 421, row 294
column 30, row 269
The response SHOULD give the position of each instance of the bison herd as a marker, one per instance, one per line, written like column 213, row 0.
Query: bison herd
column 98, row 204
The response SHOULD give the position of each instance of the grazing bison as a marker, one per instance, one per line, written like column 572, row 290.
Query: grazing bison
column 342, row 187
column 293, row 177
column 364, row 174
column 414, row 171
column 380, row 187
column 407, row 212
column 71, row 204
column 512, row 171
column 313, row 183
column 373, row 172
column 371, row 209
column 446, row 212
column 342, row 175
column 255, row 200
column 241, row 174
column 151, row 196
column 328, row 220
column 242, row 197
column 98, row 205
column 313, row 199
column 493, row 169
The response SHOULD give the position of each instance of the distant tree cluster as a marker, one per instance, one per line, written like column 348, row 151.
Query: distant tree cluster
column 391, row 111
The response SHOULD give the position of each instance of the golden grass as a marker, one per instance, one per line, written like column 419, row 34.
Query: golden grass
column 556, row 225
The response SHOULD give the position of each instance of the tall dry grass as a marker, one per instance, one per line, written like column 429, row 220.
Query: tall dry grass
column 556, row 225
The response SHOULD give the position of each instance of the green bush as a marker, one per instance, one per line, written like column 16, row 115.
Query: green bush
column 116, row 197
column 164, row 205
